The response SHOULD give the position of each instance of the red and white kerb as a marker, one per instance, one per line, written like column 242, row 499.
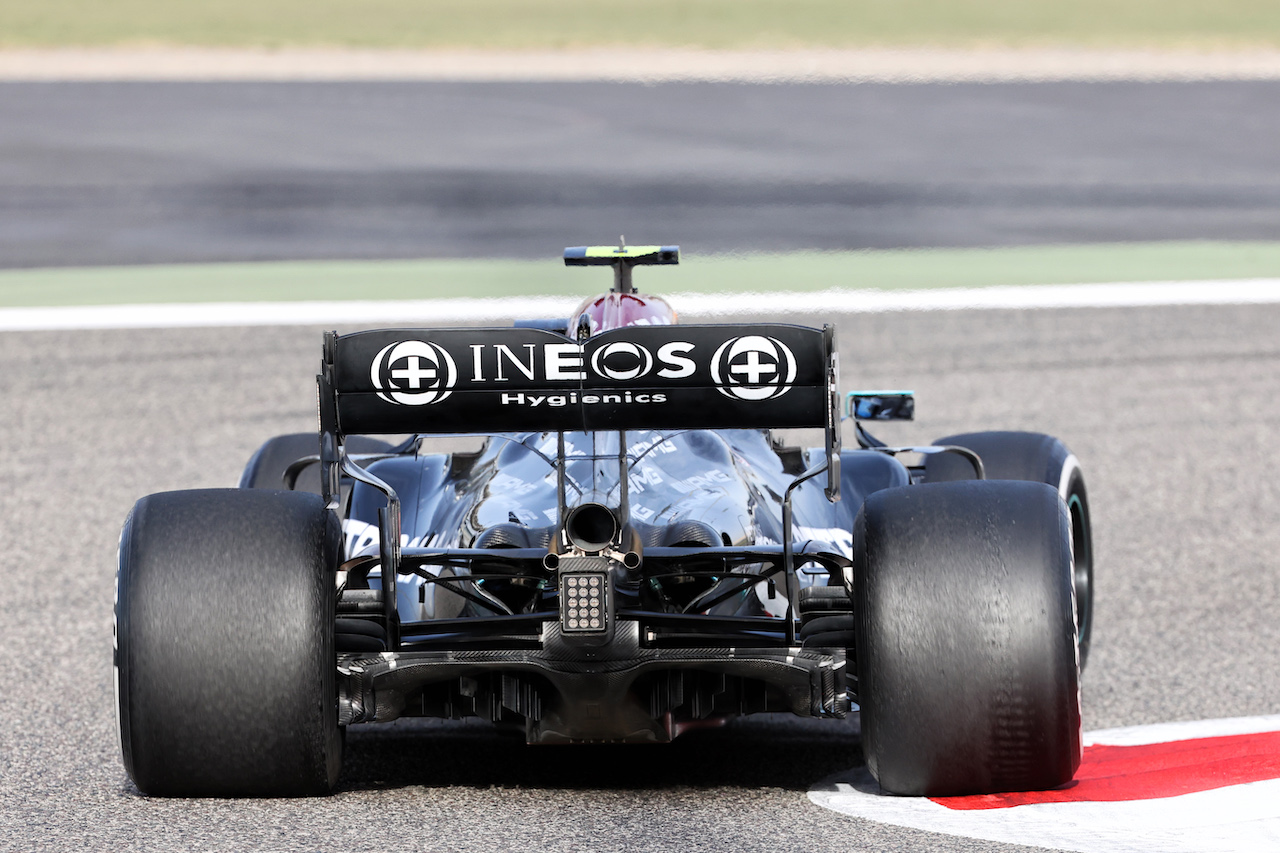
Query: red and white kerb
column 1174, row 787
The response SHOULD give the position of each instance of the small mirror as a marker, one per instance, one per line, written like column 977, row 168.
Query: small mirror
column 880, row 405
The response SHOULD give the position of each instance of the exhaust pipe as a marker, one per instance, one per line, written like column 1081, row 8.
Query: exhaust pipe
column 591, row 527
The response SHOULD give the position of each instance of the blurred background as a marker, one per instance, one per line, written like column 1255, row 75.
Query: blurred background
column 714, row 24
column 872, row 143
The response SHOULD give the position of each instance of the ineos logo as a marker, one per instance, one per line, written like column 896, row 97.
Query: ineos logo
column 621, row 361
column 413, row 373
column 753, row 367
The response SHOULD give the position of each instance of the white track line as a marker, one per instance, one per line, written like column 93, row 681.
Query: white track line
column 1186, row 730
column 869, row 65
column 441, row 312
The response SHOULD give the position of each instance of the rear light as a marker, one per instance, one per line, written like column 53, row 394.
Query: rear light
column 584, row 602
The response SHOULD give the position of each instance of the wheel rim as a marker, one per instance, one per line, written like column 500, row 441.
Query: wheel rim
column 1082, row 549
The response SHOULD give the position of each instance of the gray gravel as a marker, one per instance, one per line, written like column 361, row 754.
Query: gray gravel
column 1173, row 411
column 112, row 173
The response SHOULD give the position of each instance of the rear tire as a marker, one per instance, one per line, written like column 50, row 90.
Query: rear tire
column 225, row 662
column 1037, row 458
column 966, row 657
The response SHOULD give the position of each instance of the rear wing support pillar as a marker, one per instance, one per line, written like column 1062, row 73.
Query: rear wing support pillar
column 334, row 464
column 833, row 413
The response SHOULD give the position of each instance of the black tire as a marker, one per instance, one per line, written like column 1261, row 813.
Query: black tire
column 1036, row 458
column 225, row 664
column 822, row 600
column 828, row 632
column 267, row 466
column 966, row 656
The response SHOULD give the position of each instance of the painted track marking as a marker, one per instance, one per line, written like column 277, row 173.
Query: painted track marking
column 441, row 311
column 1171, row 788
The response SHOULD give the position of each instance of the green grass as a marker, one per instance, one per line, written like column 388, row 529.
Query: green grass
column 800, row 271
column 540, row 24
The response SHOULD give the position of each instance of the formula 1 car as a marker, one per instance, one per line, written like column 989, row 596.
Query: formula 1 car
column 631, row 553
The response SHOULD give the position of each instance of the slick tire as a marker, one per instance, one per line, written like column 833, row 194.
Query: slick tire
column 1040, row 459
column 225, row 664
column 967, row 669
column 267, row 466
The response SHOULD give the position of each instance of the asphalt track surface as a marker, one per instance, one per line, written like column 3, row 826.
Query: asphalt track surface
column 144, row 172
column 1173, row 411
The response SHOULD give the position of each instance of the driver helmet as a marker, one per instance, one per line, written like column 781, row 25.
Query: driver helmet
column 616, row 310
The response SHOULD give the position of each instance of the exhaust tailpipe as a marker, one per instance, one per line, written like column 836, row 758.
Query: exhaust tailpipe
column 591, row 527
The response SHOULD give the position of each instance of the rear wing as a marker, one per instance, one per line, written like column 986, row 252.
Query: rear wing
column 532, row 380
